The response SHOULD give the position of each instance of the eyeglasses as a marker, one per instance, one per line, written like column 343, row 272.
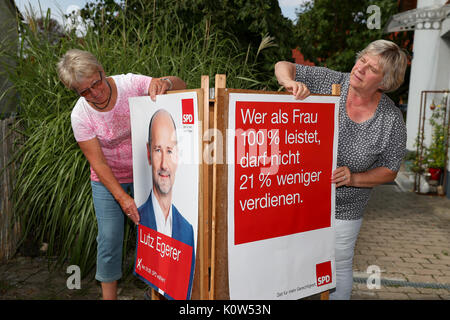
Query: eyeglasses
column 95, row 86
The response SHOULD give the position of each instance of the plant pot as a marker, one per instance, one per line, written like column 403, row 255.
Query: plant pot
column 424, row 187
column 435, row 173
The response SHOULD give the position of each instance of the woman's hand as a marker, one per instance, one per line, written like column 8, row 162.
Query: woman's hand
column 342, row 177
column 129, row 207
column 298, row 89
column 285, row 73
column 159, row 86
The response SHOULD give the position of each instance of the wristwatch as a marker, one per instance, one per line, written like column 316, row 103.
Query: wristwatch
column 170, row 82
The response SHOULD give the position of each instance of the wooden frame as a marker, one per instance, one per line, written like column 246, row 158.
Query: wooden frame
column 219, row 288
column 211, row 270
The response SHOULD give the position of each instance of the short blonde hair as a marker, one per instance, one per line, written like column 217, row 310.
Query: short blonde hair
column 393, row 62
column 77, row 65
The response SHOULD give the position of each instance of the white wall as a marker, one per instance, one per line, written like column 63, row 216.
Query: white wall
column 445, row 34
column 430, row 70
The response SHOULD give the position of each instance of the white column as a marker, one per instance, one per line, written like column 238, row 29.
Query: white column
column 429, row 71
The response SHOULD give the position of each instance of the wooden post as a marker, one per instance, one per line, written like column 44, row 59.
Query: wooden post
column 335, row 89
column 9, row 228
column 204, row 226
column 325, row 295
column 156, row 295
column 220, row 82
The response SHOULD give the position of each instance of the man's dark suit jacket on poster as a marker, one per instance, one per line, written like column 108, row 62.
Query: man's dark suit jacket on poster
column 181, row 230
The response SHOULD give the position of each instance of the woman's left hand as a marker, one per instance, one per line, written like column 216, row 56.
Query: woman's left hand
column 129, row 208
column 158, row 86
column 342, row 177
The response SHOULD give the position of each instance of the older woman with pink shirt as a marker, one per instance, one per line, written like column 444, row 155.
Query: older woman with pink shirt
column 101, row 126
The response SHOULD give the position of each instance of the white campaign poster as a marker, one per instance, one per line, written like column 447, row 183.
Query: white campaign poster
column 281, row 153
column 166, row 259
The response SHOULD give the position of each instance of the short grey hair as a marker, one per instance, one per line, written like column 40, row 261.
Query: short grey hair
column 393, row 61
column 77, row 65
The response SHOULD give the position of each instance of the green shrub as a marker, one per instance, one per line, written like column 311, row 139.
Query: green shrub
column 52, row 195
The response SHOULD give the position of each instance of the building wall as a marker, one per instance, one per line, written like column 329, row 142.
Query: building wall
column 445, row 34
column 300, row 59
column 430, row 70
column 8, row 43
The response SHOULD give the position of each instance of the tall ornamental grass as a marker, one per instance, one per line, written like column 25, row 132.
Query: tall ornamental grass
column 52, row 195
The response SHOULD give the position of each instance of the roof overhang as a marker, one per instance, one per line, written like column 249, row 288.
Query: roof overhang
column 427, row 18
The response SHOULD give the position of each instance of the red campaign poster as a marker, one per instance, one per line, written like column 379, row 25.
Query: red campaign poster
column 283, row 166
column 164, row 262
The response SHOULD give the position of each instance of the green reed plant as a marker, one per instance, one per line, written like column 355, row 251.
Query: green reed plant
column 52, row 196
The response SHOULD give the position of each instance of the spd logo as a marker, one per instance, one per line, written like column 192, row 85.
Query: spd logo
column 323, row 273
column 187, row 107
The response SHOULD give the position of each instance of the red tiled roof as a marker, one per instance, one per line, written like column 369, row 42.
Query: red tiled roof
column 300, row 59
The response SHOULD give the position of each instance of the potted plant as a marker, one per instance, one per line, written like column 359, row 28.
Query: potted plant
column 435, row 153
column 417, row 166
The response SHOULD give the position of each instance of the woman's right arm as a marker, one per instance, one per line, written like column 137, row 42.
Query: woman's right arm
column 285, row 73
column 94, row 154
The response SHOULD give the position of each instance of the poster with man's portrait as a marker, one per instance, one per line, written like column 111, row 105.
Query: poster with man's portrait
column 166, row 178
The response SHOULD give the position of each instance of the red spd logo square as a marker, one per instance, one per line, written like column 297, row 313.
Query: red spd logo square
column 187, row 107
column 323, row 273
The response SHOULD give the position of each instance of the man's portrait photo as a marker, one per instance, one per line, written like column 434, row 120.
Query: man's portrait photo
column 162, row 181
column 158, row 212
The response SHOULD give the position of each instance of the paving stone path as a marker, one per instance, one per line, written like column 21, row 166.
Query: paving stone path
column 407, row 236
column 404, row 235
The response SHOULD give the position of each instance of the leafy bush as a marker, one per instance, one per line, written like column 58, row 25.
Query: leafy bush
column 52, row 196
column 435, row 153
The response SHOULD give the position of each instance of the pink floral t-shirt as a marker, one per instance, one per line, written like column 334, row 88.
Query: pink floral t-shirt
column 111, row 128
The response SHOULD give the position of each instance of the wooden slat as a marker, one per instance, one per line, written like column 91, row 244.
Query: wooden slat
column 220, row 234
column 9, row 229
column 220, row 83
column 206, row 262
column 335, row 89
